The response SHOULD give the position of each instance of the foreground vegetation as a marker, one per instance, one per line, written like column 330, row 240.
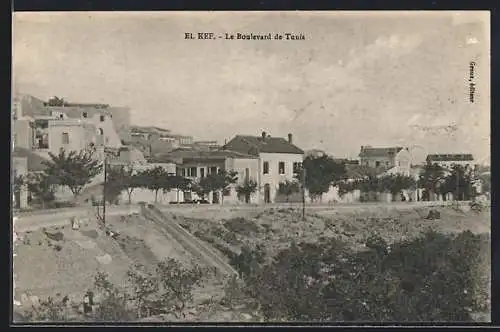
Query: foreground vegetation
column 435, row 277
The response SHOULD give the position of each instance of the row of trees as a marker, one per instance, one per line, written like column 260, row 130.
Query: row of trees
column 126, row 178
column 437, row 180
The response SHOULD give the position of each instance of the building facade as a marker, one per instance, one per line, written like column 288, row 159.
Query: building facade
column 278, row 160
column 395, row 160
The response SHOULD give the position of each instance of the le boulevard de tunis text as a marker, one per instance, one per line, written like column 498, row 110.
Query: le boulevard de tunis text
column 245, row 36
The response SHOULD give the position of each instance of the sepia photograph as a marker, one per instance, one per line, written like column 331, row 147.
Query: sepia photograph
column 251, row 167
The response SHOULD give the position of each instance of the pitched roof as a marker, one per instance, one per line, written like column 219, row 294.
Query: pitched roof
column 368, row 151
column 253, row 145
column 35, row 162
column 450, row 157
column 179, row 155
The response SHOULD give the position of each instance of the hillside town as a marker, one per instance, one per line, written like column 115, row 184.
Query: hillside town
column 269, row 165
column 163, row 173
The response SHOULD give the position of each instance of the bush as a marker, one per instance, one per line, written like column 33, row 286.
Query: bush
column 431, row 278
column 241, row 226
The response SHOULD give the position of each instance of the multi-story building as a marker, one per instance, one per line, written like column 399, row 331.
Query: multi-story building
column 279, row 159
column 448, row 160
column 395, row 160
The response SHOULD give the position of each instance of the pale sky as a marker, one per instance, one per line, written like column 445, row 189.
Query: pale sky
column 359, row 78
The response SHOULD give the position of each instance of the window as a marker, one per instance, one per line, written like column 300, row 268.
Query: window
column 296, row 167
column 266, row 167
column 65, row 138
column 281, row 167
column 202, row 172
column 101, row 118
column 101, row 131
column 213, row 170
column 377, row 163
column 61, row 116
column 183, row 172
column 85, row 114
column 192, row 171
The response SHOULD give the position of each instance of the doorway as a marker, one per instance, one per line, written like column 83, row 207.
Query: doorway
column 267, row 193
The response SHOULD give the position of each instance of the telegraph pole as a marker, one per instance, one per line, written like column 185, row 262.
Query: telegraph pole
column 104, row 189
column 303, row 193
column 458, row 183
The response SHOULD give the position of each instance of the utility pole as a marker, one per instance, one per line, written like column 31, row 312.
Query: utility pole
column 104, row 189
column 458, row 183
column 303, row 192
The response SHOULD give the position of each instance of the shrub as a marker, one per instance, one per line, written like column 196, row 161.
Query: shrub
column 241, row 226
column 430, row 278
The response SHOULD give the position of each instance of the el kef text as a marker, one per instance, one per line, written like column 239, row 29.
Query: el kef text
column 244, row 36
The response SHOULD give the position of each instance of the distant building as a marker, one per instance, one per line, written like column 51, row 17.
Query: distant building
column 448, row 160
column 396, row 160
column 279, row 160
column 155, row 140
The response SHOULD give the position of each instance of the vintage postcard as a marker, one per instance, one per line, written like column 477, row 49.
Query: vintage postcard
column 251, row 167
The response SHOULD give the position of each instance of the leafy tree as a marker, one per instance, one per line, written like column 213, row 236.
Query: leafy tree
column 321, row 173
column 289, row 188
column 177, row 284
column 395, row 184
column 113, row 306
column 155, row 179
column 42, row 187
column 247, row 188
column 205, row 185
column 124, row 178
column 145, row 288
column 73, row 169
column 459, row 182
column 216, row 182
column 224, row 179
column 430, row 179
column 180, row 183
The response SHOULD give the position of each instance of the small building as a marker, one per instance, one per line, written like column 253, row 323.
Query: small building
column 279, row 160
column 448, row 160
column 396, row 160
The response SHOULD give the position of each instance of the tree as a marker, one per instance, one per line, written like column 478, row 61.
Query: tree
column 395, row 184
column 289, row 188
column 460, row 183
column 74, row 169
column 430, row 179
column 179, row 183
column 124, row 178
column 224, row 180
column 205, row 185
column 485, row 182
column 321, row 173
column 42, row 187
column 217, row 182
column 113, row 306
column 247, row 188
column 155, row 179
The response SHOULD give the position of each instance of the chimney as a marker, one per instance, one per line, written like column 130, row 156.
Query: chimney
column 290, row 138
column 264, row 135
